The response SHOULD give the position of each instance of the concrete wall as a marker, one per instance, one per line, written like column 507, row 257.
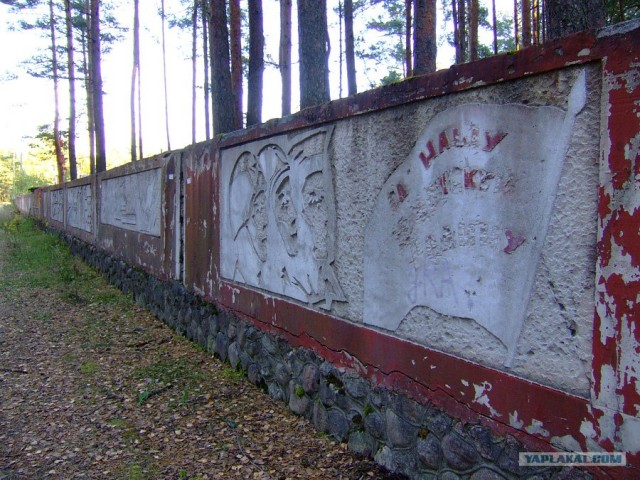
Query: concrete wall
column 467, row 240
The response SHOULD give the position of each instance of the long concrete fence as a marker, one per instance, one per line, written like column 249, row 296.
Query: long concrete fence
column 443, row 272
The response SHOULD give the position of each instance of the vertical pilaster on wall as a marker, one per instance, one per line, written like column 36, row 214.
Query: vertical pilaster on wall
column 616, row 372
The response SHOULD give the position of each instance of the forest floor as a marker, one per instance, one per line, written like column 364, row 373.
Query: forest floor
column 92, row 386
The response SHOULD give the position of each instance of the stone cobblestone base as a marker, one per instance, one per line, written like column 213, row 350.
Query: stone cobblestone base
column 407, row 437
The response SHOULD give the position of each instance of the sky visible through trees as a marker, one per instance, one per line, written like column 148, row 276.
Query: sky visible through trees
column 380, row 42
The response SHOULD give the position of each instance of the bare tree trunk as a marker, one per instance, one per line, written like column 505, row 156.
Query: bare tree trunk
column 473, row 30
column 495, row 27
column 164, row 75
column 456, row 29
column 224, row 106
column 424, row 37
column 515, row 24
column 462, row 30
column 236, row 55
column 56, row 120
column 313, row 52
column 526, row 23
column 350, row 47
column 139, row 87
column 408, row 51
column 535, row 22
column 134, row 74
column 101, row 154
column 256, row 63
column 340, row 47
column 285, row 55
column 73, row 169
column 205, row 56
column 88, row 85
column 194, row 58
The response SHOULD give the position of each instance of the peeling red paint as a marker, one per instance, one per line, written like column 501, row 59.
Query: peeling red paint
column 604, row 200
column 626, row 233
column 468, row 178
column 513, row 241
column 426, row 159
column 492, row 141
column 402, row 192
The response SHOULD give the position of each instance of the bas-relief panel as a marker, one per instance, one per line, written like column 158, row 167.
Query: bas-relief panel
column 460, row 225
column 278, row 232
column 57, row 205
column 133, row 202
column 79, row 207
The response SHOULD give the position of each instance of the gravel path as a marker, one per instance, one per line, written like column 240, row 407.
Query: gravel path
column 92, row 386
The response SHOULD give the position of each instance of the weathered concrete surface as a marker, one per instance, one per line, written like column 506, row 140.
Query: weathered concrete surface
column 133, row 202
column 279, row 224
column 459, row 226
column 57, row 205
column 80, row 207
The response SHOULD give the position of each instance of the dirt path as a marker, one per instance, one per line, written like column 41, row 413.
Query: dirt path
column 91, row 386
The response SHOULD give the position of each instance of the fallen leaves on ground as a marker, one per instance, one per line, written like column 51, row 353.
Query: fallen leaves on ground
column 101, row 389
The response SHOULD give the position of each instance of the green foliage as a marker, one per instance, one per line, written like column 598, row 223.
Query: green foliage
column 299, row 391
column 181, row 374
column 368, row 410
column 18, row 175
column 89, row 367
column 621, row 10
column 386, row 45
column 392, row 77
column 233, row 374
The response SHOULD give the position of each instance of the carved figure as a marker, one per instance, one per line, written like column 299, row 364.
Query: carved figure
column 281, row 219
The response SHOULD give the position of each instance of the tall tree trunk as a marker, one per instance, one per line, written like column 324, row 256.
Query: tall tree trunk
column 88, row 85
column 139, row 100
column 98, row 113
column 285, row 55
column 236, row 55
column 205, row 57
column 456, row 29
column 516, row 33
column 56, row 120
column 73, row 168
column 164, row 75
column 313, row 52
column 350, row 47
column 134, row 74
column 408, row 51
column 256, row 63
column 340, row 46
column 495, row 27
column 424, row 37
column 473, row 30
column 194, row 58
column 462, row 30
column 224, row 111
column 565, row 18
column 526, row 23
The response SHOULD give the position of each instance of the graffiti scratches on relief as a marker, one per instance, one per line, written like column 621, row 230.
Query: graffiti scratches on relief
column 460, row 225
column 279, row 231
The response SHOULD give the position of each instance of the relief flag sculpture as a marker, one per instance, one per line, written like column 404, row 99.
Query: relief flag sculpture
column 460, row 225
